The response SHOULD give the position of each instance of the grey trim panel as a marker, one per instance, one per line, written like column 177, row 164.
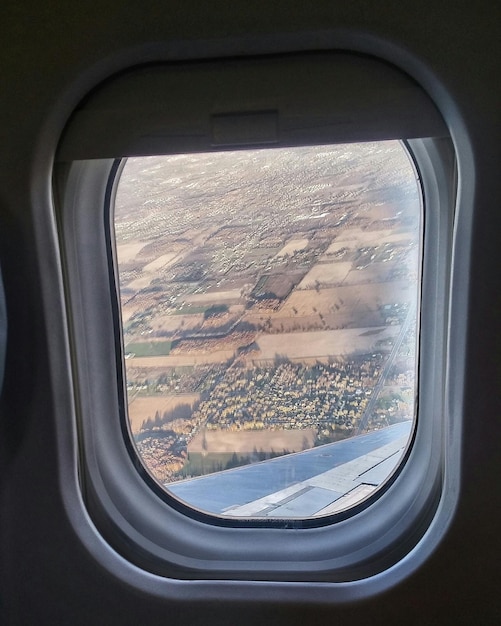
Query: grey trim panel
column 180, row 107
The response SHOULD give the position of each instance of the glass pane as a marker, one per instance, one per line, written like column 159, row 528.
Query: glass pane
column 270, row 315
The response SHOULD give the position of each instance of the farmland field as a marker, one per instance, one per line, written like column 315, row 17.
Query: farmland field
column 149, row 348
column 325, row 273
column 218, row 450
column 214, row 296
column 142, row 408
column 246, row 441
column 323, row 343
column 180, row 360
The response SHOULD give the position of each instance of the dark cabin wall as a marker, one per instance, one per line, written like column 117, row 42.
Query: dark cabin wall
column 52, row 52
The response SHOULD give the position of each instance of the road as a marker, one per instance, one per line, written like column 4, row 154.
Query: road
column 369, row 409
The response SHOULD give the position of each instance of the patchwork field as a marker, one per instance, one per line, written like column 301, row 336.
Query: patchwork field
column 244, row 442
column 348, row 298
column 325, row 274
column 162, row 362
column 324, row 343
column 171, row 323
column 163, row 260
column 214, row 296
column 128, row 251
column 292, row 246
column 143, row 408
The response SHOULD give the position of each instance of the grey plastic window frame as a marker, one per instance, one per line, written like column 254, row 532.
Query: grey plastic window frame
column 3, row 332
column 132, row 519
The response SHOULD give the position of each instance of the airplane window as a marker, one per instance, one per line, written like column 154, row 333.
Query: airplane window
column 270, row 314
column 259, row 288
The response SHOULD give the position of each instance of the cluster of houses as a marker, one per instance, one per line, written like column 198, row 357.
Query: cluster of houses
column 291, row 396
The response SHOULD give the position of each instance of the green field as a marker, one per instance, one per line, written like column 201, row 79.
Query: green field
column 149, row 348
column 191, row 310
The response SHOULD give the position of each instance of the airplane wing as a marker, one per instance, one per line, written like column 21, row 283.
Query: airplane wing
column 319, row 481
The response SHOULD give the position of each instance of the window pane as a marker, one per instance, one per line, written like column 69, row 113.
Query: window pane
column 270, row 315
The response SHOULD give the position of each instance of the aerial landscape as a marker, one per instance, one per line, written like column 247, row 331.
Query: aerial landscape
column 269, row 301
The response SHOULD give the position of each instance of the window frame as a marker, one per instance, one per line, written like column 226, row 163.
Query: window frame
column 190, row 509
column 147, row 531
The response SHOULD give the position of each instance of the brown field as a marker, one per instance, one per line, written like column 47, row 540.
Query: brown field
column 128, row 251
column 323, row 343
column 139, row 302
column 279, row 285
column 324, row 300
column 325, row 273
column 356, row 237
column 143, row 407
column 378, row 273
column 162, row 261
column 244, row 442
column 346, row 306
column 404, row 238
column 293, row 324
column 236, row 309
column 292, row 246
column 171, row 323
column 337, row 246
column 348, row 235
column 160, row 362
column 140, row 283
column 347, row 298
column 213, row 296
column 129, row 310
column 157, row 247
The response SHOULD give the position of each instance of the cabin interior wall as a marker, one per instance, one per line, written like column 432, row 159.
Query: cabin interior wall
column 52, row 53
